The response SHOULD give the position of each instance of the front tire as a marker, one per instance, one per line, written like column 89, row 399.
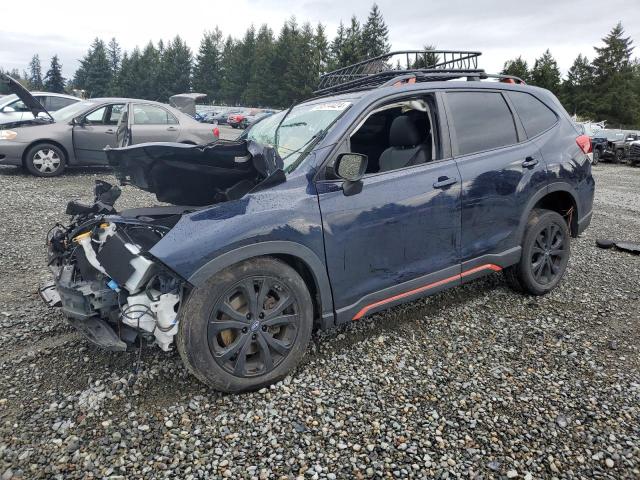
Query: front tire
column 545, row 254
column 619, row 156
column 596, row 157
column 45, row 160
column 247, row 327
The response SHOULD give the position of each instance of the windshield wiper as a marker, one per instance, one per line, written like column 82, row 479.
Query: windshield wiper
column 295, row 124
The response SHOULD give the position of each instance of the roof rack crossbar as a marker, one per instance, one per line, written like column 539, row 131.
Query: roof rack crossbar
column 376, row 70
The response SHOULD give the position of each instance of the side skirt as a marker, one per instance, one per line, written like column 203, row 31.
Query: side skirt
column 428, row 285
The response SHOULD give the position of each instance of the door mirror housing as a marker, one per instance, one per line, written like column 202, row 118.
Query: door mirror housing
column 8, row 109
column 78, row 121
column 351, row 166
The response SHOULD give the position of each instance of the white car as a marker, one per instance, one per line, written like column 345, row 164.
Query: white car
column 12, row 109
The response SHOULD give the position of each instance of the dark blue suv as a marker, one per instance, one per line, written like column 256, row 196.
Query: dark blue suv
column 390, row 186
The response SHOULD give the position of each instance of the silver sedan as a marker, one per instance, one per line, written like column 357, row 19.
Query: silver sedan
column 78, row 134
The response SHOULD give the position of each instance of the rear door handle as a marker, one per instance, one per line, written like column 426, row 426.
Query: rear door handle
column 172, row 129
column 444, row 182
column 110, row 131
column 530, row 162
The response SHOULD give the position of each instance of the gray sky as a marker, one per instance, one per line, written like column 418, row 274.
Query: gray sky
column 501, row 29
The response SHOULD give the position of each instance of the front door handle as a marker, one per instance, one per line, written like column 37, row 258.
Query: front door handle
column 172, row 129
column 110, row 131
column 530, row 162
column 444, row 182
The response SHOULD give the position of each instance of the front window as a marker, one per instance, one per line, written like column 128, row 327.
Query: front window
column 300, row 128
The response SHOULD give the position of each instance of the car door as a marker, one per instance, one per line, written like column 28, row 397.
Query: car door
column 95, row 131
column 396, row 239
column 500, row 172
column 153, row 123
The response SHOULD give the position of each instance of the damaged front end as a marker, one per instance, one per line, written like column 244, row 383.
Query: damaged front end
column 106, row 282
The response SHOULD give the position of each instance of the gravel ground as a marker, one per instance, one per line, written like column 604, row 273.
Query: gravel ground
column 475, row 382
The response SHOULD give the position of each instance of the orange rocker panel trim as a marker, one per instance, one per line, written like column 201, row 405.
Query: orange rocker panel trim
column 459, row 276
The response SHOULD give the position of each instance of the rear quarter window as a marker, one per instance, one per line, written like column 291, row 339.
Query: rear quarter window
column 481, row 121
column 536, row 117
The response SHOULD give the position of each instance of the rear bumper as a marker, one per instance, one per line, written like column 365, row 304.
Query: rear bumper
column 11, row 152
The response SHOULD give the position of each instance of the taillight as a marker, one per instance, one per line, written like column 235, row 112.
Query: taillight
column 216, row 132
column 584, row 142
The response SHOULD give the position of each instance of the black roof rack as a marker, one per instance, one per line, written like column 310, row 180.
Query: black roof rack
column 407, row 66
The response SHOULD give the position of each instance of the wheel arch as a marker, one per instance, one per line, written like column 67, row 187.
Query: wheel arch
column 299, row 257
column 41, row 141
column 559, row 197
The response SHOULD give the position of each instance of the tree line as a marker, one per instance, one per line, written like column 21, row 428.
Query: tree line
column 268, row 70
column 605, row 88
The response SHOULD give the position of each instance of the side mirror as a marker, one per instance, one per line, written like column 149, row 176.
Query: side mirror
column 8, row 109
column 79, row 121
column 351, row 167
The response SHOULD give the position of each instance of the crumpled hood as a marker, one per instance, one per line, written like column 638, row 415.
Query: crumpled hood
column 23, row 94
column 197, row 175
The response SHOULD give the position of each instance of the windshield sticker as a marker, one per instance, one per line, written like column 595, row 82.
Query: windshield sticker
column 338, row 106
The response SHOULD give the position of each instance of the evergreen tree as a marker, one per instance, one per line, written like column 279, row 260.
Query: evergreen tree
column 54, row 81
column 260, row 89
column 427, row 60
column 616, row 100
column 114, row 54
column 320, row 51
column 174, row 75
column 98, row 70
column 545, row 73
column 231, row 64
column 35, row 73
column 518, row 68
column 207, row 72
column 352, row 51
column 576, row 94
column 336, row 48
column 375, row 35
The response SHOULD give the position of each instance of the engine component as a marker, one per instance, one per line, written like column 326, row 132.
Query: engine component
column 155, row 313
column 84, row 240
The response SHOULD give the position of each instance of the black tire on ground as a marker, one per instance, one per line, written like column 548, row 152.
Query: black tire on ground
column 247, row 327
column 596, row 157
column 545, row 254
column 618, row 156
column 45, row 160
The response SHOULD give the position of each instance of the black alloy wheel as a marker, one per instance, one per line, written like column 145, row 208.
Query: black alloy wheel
column 253, row 326
column 548, row 255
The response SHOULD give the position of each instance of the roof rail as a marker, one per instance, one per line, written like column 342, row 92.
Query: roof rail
column 376, row 71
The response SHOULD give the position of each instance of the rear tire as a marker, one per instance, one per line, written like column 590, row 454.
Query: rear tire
column 247, row 327
column 545, row 254
column 596, row 157
column 45, row 160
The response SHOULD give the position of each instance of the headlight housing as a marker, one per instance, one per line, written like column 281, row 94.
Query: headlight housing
column 8, row 134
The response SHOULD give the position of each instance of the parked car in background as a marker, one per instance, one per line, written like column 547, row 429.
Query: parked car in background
column 12, row 109
column 385, row 188
column 79, row 133
column 613, row 145
column 250, row 119
column 634, row 152
column 222, row 118
column 236, row 119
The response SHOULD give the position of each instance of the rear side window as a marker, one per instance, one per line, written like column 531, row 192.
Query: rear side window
column 536, row 116
column 56, row 103
column 482, row 121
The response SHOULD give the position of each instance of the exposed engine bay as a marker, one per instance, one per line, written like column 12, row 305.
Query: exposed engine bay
column 104, row 279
